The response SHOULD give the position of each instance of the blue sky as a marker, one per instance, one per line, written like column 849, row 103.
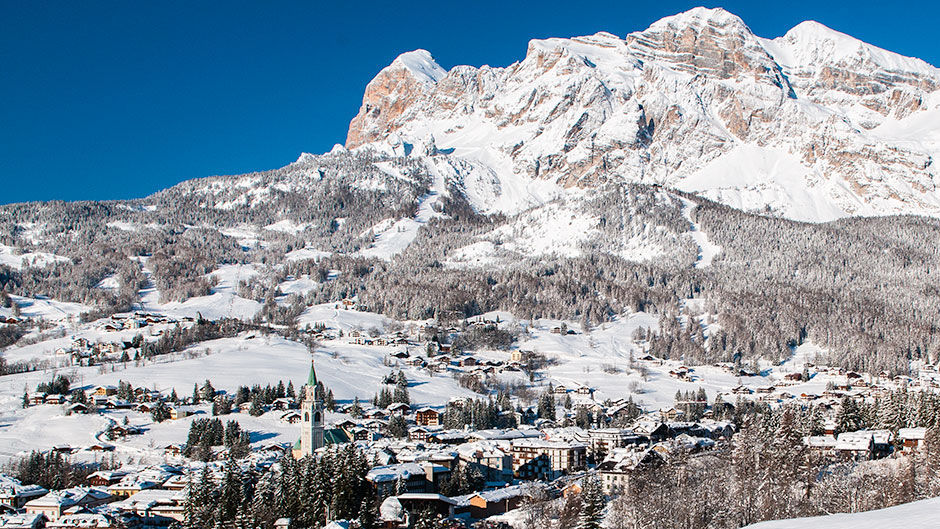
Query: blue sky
column 117, row 99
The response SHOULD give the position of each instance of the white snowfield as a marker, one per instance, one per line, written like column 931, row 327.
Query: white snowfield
column 9, row 257
column 924, row 514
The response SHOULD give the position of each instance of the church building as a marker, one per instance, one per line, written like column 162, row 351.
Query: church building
column 311, row 411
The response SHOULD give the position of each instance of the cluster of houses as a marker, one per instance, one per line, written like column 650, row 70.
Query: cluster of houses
column 864, row 444
column 127, row 498
column 137, row 320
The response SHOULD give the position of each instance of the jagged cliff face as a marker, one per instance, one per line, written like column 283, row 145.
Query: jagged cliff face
column 814, row 125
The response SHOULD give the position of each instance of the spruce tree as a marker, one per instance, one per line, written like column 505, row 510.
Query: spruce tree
column 592, row 504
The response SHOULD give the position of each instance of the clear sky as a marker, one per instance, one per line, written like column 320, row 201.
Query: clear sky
column 118, row 99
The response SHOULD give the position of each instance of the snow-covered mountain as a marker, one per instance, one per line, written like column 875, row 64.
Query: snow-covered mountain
column 814, row 125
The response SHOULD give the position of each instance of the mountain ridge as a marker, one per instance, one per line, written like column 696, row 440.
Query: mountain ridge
column 813, row 116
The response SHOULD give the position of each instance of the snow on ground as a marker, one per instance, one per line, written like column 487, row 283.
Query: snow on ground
column 585, row 359
column 286, row 226
column 803, row 354
column 337, row 318
column 301, row 285
column 9, row 257
column 917, row 515
column 749, row 176
column 122, row 225
column 553, row 229
column 246, row 236
column 109, row 283
column 392, row 237
column 223, row 302
column 307, row 253
column 348, row 370
column 707, row 249
column 46, row 308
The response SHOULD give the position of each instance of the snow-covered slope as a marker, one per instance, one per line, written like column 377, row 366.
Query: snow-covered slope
column 917, row 515
column 813, row 125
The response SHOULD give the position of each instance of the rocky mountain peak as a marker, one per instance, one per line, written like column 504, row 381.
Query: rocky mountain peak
column 408, row 78
column 711, row 42
column 810, row 125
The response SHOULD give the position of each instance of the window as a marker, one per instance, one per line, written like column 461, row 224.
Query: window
column 316, row 417
column 306, row 417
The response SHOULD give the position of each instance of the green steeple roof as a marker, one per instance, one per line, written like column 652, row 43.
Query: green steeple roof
column 312, row 379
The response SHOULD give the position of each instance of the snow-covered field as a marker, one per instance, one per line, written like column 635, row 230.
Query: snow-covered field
column 917, row 515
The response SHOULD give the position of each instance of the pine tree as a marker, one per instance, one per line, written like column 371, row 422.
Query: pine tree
column 368, row 512
column 195, row 393
column 397, row 427
column 400, row 486
column 160, row 412
column 355, row 411
column 848, row 419
column 592, row 504
column 256, row 409
column 208, row 392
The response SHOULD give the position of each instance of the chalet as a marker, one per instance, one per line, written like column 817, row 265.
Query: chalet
column 15, row 495
column 416, row 362
column 363, row 434
column 180, row 412
column 106, row 478
column 282, row 403
column 78, row 407
column 54, row 504
column 415, row 503
column 290, row 417
column 823, row 444
column 37, row 398
column 416, row 478
column 492, row 502
column 346, row 424
column 399, row 408
column 23, row 521
column 133, row 484
column 101, row 447
column 912, row 438
column 653, row 430
column 55, row 399
column 560, row 390
column 157, row 507
column 793, row 377
column 84, row 520
column 741, row 390
column 454, row 437
column 428, row 417
column 855, row 445
column 670, row 414
column 468, row 361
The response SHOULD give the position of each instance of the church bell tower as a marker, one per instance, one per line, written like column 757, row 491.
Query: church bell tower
column 311, row 410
